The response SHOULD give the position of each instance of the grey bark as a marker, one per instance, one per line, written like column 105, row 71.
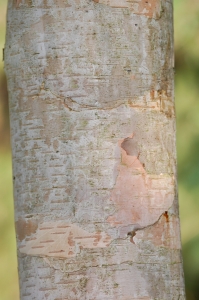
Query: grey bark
column 93, row 138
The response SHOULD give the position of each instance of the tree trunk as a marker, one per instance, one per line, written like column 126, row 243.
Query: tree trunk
column 93, row 136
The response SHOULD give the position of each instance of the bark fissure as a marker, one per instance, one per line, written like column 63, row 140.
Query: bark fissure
column 156, row 101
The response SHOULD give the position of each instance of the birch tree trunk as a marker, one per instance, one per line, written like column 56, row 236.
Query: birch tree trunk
column 93, row 136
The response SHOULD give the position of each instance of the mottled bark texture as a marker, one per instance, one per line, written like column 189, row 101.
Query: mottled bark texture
column 93, row 136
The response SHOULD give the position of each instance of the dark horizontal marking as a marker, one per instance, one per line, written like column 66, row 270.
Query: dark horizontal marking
column 47, row 241
column 46, row 289
column 85, row 237
column 56, row 251
column 37, row 247
column 63, row 226
column 67, row 282
column 36, row 127
column 44, row 228
column 57, row 174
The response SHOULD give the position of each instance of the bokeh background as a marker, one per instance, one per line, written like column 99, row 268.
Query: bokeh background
column 186, row 22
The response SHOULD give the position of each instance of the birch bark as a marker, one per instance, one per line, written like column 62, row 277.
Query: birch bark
column 93, row 136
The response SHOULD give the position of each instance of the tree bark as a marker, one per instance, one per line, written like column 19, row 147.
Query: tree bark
column 93, row 136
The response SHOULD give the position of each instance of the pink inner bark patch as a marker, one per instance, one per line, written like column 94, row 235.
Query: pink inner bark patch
column 150, row 8
column 139, row 198
column 165, row 233
column 62, row 240
column 17, row 2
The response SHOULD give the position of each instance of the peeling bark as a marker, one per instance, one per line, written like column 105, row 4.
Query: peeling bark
column 150, row 8
column 93, row 135
column 62, row 240
column 140, row 198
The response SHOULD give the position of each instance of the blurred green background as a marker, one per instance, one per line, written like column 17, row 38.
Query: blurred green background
column 186, row 22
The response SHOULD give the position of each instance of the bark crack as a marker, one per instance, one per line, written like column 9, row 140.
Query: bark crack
column 130, row 230
column 156, row 101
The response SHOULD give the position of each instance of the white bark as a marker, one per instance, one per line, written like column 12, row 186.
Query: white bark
column 93, row 134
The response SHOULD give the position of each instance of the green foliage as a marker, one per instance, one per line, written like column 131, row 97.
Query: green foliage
column 187, row 108
column 8, row 261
